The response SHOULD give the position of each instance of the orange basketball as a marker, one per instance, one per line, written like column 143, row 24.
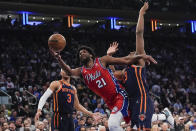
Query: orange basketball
column 57, row 42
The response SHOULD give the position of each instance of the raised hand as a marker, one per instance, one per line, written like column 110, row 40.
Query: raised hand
column 144, row 8
column 112, row 49
column 38, row 114
column 55, row 54
column 97, row 116
column 149, row 59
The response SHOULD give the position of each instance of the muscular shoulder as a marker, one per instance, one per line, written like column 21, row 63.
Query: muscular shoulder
column 74, row 88
column 104, row 60
column 119, row 74
column 55, row 85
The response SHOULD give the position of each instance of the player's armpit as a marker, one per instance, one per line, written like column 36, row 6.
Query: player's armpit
column 119, row 74
column 112, row 68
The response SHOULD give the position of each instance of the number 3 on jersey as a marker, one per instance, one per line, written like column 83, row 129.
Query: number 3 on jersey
column 69, row 98
column 101, row 83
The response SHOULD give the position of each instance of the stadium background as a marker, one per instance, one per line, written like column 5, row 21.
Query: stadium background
column 27, row 68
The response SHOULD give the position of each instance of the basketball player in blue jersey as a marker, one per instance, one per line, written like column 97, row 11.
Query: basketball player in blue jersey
column 64, row 100
column 134, row 79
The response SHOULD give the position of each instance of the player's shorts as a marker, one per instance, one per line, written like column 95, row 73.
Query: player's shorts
column 62, row 123
column 141, row 114
column 121, row 103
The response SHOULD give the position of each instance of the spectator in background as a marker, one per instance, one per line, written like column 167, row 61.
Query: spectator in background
column 83, row 129
column 179, row 125
column 156, row 89
column 3, row 87
column 105, row 123
column 81, row 123
column 4, row 126
column 36, row 93
column 2, row 119
column 164, row 127
column 92, row 128
column 5, row 110
column 12, row 126
column 89, row 121
column 86, row 105
column 193, row 126
column 178, row 105
column 155, row 128
column 191, row 112
column 18, row 123
column 13, row 116
column 40, row 125
column 10, row 84
column 101, row 128
column 99, row 109
column 16, row 99
column 24, row 98
column 46, row 124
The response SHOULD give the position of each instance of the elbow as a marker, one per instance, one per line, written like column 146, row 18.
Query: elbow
column 139, row 33
column 76, row 106
column 127, row 62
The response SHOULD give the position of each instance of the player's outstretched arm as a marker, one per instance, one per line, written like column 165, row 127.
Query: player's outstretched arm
column 119, row 74
column 79, row 107
column 128, row 60
column 140, row 30
column 72, row 72
column 53, row 86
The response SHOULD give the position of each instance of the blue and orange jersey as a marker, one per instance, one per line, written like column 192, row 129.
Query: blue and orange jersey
column 63, row 99
column 136, row 85
column 135, row 81
column 102, row 82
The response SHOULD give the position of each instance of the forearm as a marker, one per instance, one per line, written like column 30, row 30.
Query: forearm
column 140, row 25
column 64, row 66
column 83, row 110
column 133, row 59
column 44, row 98
column 139, row 35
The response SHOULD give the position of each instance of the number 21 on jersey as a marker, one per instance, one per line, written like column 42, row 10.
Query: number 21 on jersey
column 101, row 83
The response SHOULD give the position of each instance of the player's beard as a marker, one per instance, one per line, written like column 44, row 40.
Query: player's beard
column 85, row 61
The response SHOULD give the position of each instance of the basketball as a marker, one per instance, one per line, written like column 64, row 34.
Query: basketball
column 57, row 42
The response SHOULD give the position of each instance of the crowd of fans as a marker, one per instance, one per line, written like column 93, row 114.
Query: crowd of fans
column 156, row 5
column 27, row 68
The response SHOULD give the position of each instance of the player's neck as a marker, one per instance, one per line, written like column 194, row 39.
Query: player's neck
column 90, row 63
column 67, row 80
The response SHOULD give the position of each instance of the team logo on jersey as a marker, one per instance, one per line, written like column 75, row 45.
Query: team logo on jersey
column 92, row 76
column 142, row 117
column 115, row 109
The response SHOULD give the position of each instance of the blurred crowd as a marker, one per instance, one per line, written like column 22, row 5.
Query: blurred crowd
column 156, row 5
column 27, row 68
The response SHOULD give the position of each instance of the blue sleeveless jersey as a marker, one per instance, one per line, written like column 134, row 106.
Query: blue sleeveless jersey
column 63, row 99
column 135, row 82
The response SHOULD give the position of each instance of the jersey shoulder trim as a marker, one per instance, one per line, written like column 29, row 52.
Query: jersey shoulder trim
column 99, row 61
column 66, row 83
column 61, row 84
